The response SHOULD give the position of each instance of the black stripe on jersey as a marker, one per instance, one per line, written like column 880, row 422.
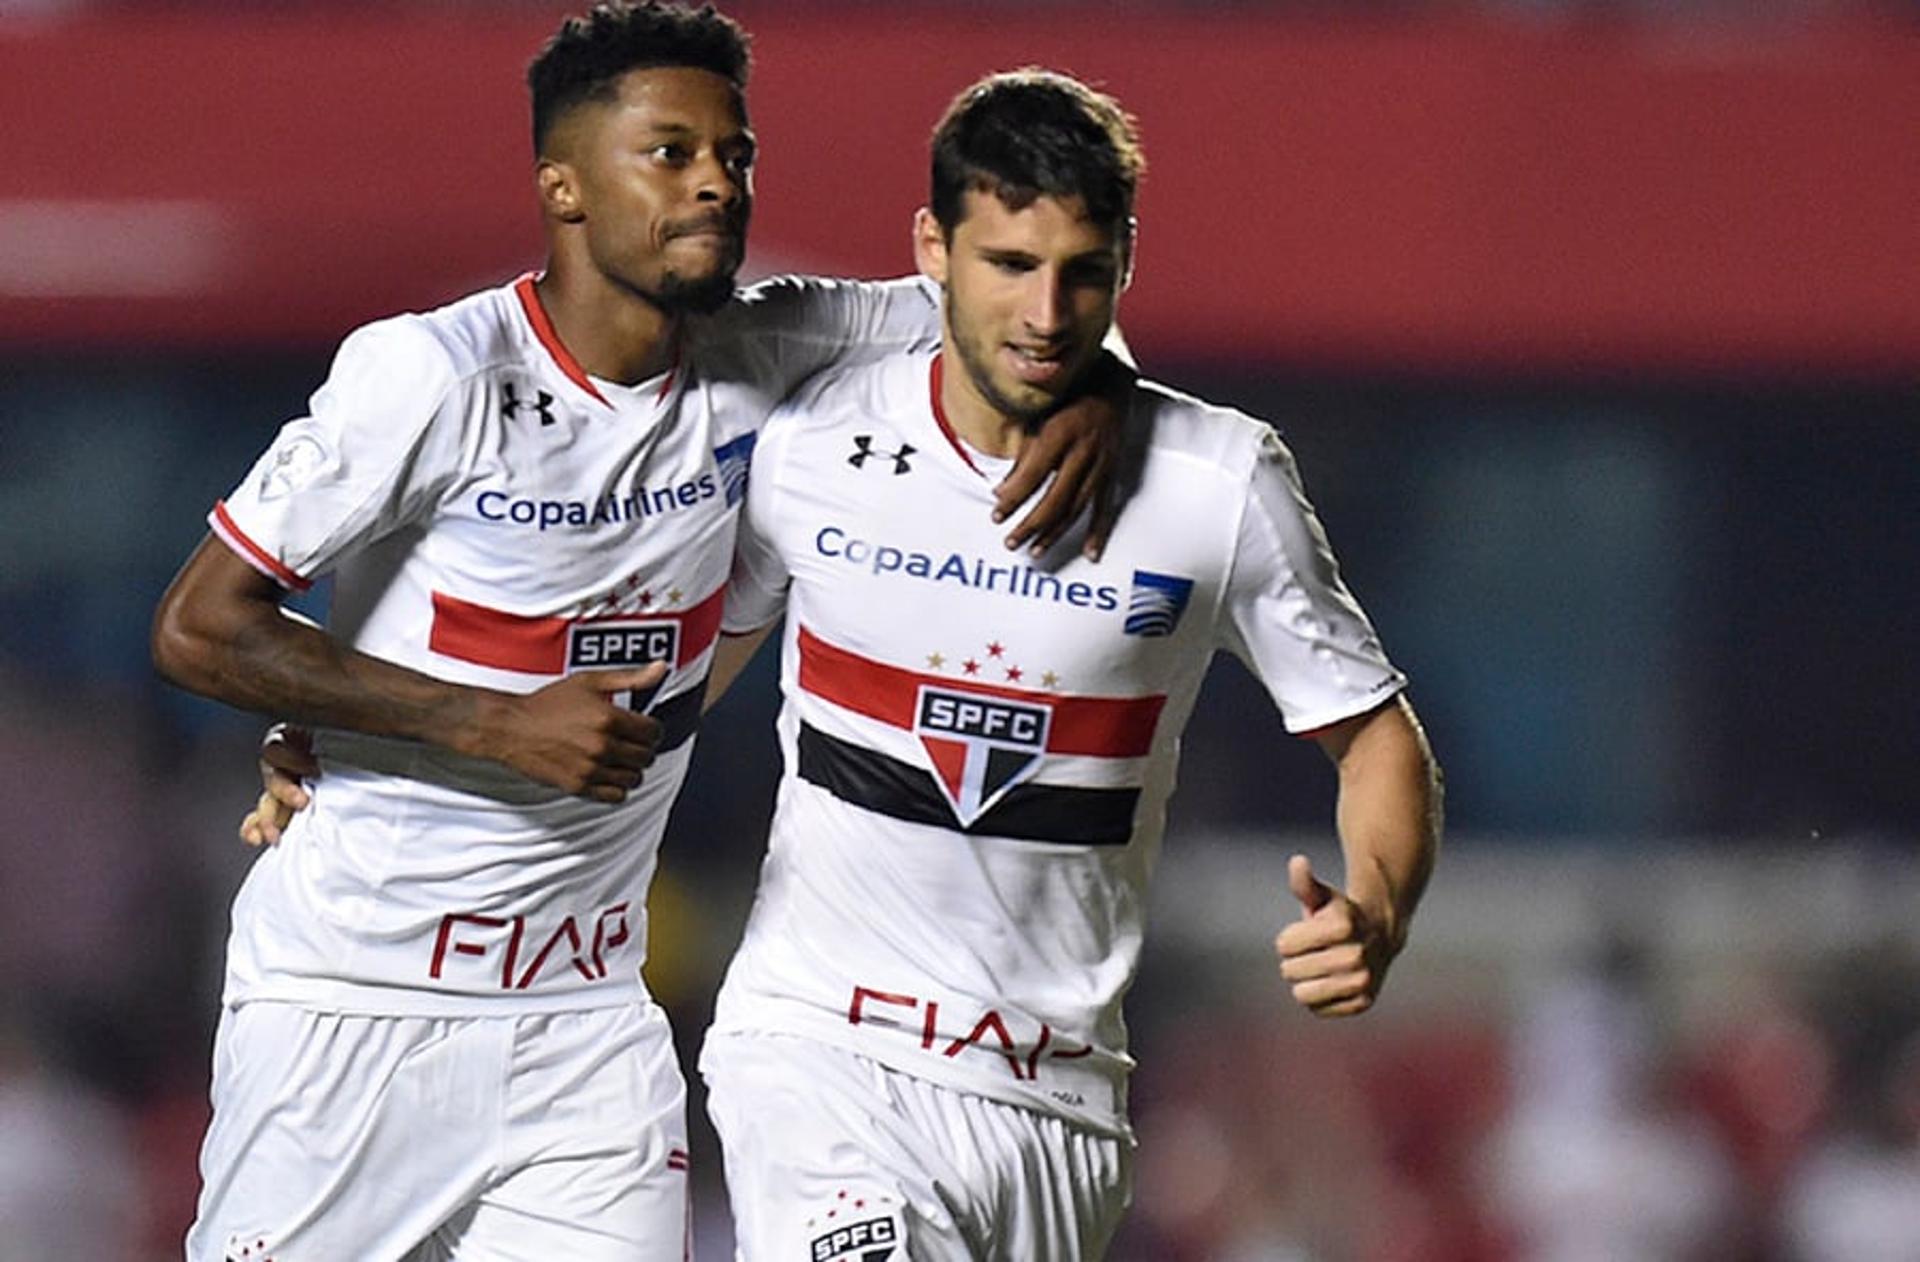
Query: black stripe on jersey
column 680, row 716
column 1029, row 812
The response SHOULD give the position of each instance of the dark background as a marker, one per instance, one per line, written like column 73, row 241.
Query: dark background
column 1596, row 327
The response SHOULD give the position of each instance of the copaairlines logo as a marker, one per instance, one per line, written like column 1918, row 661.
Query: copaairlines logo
column 644, row 502
column 981, row 746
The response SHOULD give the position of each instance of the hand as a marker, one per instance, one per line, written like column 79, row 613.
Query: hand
column 1336, row 955
column 286, row 763
column 1080, row 446
column 572, row 736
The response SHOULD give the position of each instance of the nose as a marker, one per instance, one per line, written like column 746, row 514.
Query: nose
column 717, row 181
column 1046, row 313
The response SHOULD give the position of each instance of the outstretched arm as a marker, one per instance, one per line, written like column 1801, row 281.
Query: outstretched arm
column 220, row 632
column 1337, row 954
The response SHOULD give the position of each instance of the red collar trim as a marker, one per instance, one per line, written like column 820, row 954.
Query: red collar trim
column 543, row 329
column 940, row 418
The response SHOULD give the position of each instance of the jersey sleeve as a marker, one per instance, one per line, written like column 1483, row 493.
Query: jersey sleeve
column 757, row 586
column 807, row 323
column 355, row 468
column 1289, row 616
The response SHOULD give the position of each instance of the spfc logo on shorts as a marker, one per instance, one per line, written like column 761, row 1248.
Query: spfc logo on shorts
column 981, row 746
column 869, row 1240
column 1156, row 603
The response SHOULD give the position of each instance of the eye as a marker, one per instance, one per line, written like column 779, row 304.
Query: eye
column 739, row 160
column 670, row 153
column 1100, row 275
column 1009, row 264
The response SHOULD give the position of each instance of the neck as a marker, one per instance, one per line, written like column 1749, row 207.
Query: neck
column 612, row 332
column 973, row 419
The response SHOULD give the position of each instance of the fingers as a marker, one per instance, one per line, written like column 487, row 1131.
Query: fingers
column 263, row 824
column 1327, row 956
column 1312, row 892
column 1333, row 981
column 1051, row 517
column 636, row 679
column 1035, row 462
column 632, row 739
column 624, row 760
column 282, row 790
column 1106, row 511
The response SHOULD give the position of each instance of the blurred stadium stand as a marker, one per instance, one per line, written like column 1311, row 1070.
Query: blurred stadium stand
column 1596, row 324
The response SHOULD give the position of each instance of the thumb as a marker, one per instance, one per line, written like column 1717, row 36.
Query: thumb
column 1312, row 892
column 608, row 682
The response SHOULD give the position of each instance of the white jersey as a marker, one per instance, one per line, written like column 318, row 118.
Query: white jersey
column 979, row 750
column 492, row 515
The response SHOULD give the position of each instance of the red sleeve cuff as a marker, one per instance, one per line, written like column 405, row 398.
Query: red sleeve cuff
column 258, row 557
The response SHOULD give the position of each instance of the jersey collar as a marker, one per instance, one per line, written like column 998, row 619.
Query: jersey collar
column 940, row 418
column 543, row 329
column 563, row 359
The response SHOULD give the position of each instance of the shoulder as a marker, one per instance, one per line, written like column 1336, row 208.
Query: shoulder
column 1186, row 430
column 433, row 351
column 850, row 392
column 799, row 306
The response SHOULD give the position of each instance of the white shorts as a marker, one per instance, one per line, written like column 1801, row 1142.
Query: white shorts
column 832, row 1157
column 491, row 1139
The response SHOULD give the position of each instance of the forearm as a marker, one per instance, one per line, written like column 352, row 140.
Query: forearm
column 730, row 657
column 277, row 667
column 216, row 636
column 1389, row 816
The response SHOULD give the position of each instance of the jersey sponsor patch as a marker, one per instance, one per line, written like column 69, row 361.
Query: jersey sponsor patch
column 1156, row 603
column 981, row 746
column 734, row 459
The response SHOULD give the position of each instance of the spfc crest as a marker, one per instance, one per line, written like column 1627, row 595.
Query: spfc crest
column 981, row 745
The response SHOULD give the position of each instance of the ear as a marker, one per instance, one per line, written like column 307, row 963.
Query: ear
column 929, row 246
column 1129, row 251
column 559, row 188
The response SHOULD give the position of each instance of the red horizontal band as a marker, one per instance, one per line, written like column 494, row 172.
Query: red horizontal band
column 1102, row 727
column 262, row 560
column 538, row 646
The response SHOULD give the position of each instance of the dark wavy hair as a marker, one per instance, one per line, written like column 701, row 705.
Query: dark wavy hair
column 1030, row 133
column 587, row 55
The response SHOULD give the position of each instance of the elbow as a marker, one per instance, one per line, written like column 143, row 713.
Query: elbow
column 181, row 652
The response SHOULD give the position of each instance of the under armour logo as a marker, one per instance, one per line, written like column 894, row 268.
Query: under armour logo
column 514, row 403
column 863, row 447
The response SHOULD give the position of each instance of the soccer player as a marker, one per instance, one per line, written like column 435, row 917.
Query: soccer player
column 919, row 1049
column 435, row 1042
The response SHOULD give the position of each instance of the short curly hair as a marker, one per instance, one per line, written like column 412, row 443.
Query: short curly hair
column 587, row 55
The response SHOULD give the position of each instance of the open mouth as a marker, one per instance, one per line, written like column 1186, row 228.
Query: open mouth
column 1037, row 365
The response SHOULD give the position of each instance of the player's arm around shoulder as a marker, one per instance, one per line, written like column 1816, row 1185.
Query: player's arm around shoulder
column 1336, row 956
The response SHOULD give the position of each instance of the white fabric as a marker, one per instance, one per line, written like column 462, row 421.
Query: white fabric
column 486, row 511
column 832, row 1157
column 987, row 960
column 481, row 1139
